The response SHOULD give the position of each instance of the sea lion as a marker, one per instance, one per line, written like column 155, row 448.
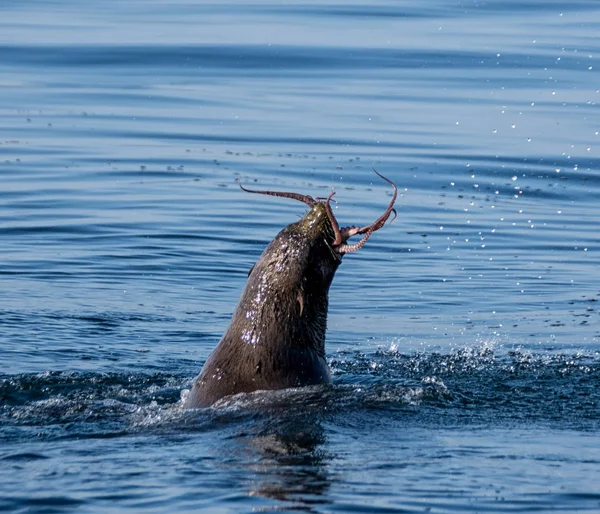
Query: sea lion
column 276, row 338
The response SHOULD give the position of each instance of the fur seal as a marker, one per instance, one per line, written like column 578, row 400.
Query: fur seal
column 276, row 338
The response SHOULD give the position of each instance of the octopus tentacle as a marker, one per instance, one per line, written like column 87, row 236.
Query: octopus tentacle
column 338, row 239
column 342, row 249
column 340, row 235
column 348, row 232
column 309, row 200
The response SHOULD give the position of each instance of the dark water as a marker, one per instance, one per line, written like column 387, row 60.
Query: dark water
column 464, row 337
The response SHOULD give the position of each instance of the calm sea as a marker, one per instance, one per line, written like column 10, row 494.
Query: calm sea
column 464, row 337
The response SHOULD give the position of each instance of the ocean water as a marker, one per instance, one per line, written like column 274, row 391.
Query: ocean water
column 463, row 338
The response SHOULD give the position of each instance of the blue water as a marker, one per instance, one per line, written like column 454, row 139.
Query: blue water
column 464, row 337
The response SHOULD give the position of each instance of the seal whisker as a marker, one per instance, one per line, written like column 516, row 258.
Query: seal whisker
column 301, row 302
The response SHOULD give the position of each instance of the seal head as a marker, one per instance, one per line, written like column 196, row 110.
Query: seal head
column 276, row 338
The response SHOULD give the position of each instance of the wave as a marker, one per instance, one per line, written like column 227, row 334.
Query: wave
column 470, row 385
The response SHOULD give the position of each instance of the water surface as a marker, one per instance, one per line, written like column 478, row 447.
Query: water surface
column 463, row 338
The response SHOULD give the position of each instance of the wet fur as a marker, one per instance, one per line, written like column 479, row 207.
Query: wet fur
column 276, row 338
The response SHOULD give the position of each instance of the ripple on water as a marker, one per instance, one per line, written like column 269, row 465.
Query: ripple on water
column 473, row 385
column 126, row 241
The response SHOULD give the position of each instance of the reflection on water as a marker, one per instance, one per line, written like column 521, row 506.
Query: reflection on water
column 289, row 463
